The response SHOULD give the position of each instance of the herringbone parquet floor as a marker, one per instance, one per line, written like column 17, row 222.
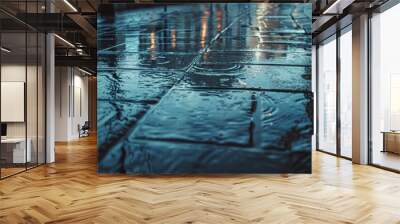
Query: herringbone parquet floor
column 70, row 191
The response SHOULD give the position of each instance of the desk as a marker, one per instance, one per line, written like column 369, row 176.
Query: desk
column 391, row 141
column 15, row 148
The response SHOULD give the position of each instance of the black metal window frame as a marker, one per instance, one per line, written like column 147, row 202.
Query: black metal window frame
column 389, row 4
column 337, row 34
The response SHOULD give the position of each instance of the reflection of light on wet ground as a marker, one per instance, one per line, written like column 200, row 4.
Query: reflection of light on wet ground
column 173, row 35
column 204, row 20
column 219, row 20
column 152, row 40
column 258, row 54
column 203, row 33
column 205, row 55
column 263, row 10
column 152, row 46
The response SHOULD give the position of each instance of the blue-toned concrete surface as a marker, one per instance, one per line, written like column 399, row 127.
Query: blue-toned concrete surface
column 204, row 88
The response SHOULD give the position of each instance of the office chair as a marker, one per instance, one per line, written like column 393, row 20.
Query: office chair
column 84, row 130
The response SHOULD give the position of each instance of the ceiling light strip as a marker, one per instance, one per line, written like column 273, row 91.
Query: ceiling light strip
column 84, row 71
column 5, row 50
column 65, row 41
column 70, row 5
column 331, row 7
column 337, row 7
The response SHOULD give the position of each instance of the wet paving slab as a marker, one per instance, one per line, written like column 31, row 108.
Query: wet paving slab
column 136, row 85
column 205, row 88
column 150, row 157
column 286, row 43
column 251, row 77
column 286, row 121
column 115, row 118
column 186, row 116
column 258, row 57
column 153, row 60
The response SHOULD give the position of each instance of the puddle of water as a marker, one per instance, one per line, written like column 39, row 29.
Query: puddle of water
column 216, row 69
column 252, row 77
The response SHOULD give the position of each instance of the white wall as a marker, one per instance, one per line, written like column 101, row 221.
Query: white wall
column 79, row 117
column 71, row 94
column 62, row 82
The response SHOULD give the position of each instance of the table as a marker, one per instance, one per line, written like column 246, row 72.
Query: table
column 13, row 150
column 391, row 141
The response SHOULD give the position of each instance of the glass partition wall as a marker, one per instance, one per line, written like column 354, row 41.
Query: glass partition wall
column 345, row 91
column 22, row 77
column 327, row 78
column 334, row 94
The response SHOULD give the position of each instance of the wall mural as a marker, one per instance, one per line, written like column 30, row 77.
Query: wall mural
column 204, row 88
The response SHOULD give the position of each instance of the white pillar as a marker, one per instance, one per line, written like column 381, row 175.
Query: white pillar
column 360, row 90
column 50, row 93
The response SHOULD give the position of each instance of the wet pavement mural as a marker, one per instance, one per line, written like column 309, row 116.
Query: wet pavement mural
column 204, row 88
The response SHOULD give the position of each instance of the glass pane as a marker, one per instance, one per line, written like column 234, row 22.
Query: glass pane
column 22, row 89
column 32, row 88
column 41, row 99
column 346, row 94
column 31, row 98
column 13, row 86
column 385, row 114
column 327, row 96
